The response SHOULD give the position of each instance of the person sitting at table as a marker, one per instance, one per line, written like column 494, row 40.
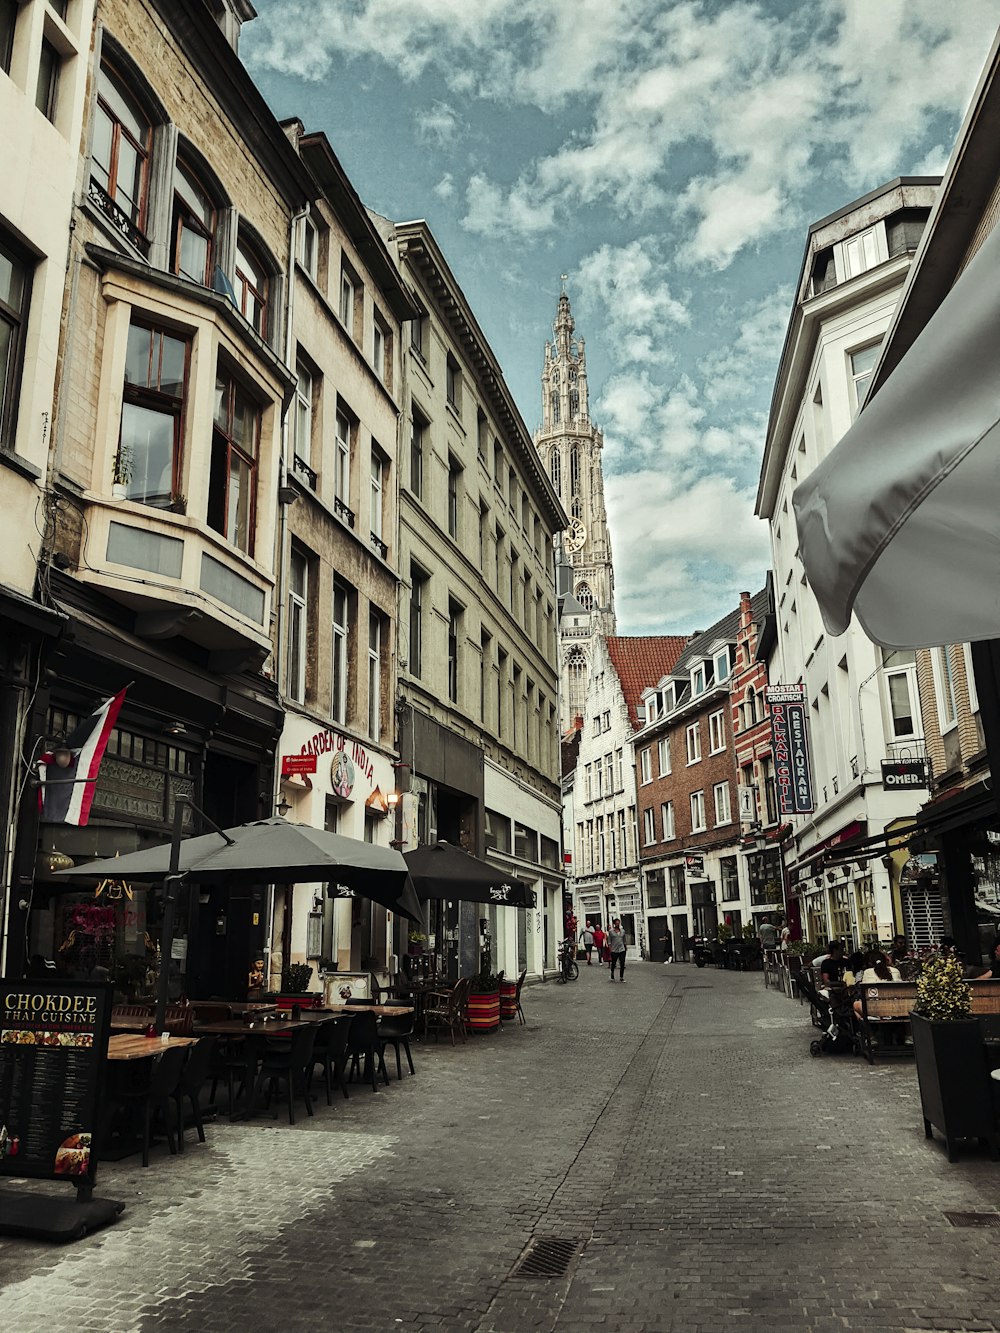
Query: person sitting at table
column 878, row 968
column 994, row 968
column 832, row 965
column 855, row 966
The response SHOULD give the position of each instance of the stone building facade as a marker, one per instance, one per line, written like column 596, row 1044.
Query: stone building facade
column 43, row 76
column 478, row 684
column 165, row 464
column 863, row 703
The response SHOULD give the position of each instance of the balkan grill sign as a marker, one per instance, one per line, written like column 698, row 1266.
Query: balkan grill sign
column 53, row 1049
column 790, row 745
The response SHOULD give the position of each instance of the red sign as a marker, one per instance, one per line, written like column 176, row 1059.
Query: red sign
column 297, row 763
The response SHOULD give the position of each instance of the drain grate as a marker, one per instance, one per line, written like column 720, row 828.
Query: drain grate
column 974, row 1219
column 546, row 1256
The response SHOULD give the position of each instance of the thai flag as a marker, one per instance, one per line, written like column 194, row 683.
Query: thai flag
column 68, row 793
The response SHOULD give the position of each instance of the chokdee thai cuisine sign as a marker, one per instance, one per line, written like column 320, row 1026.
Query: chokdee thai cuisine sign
column 790, row 747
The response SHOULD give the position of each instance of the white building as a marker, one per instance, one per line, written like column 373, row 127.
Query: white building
column 863, row 702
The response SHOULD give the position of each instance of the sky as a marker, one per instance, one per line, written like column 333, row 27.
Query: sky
column 668, row 156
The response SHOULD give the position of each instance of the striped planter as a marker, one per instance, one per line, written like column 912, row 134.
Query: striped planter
column 508, row 999
column 483, row 1012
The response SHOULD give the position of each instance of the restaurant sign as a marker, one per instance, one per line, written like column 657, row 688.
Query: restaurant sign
column 695, row 866
column 53, row 1050
column 790, row 745
column 901, row 774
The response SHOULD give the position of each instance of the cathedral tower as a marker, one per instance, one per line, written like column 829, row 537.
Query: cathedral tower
column 570, row 446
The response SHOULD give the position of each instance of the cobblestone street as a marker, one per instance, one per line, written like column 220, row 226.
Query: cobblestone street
column 715, row 1177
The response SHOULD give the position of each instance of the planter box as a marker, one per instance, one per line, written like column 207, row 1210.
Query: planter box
column 954, row 1083
column 483, row 1013
column 508, row 999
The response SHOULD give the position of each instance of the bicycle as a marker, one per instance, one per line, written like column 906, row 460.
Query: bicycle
column 568, row 967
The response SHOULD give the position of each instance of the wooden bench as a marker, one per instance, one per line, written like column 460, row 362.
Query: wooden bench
column 891, row 1001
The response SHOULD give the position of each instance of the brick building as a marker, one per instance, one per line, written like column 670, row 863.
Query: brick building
column 686, row 773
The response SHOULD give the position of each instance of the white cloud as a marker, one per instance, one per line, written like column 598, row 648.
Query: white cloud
column 445, row 187
column 490, row 213
column 437, row 124
column 638, row 312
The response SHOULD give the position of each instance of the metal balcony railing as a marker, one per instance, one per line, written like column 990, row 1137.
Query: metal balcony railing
column 118, row 218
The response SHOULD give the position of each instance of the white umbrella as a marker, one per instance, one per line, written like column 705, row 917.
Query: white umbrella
column 901, row 522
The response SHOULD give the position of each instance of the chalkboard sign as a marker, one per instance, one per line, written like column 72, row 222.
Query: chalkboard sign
column 53, row 1052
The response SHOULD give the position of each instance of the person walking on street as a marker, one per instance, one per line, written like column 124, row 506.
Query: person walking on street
column 667, row 940
column 587, row 940
column 766, row 933
column 599, row 941
column 616, row 943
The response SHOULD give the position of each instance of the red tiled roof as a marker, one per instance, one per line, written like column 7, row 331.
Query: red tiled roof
column 642, row 661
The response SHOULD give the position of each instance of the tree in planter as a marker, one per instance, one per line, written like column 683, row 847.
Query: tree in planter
column 484, row 1001
column 295, row 978
column 948, row 1047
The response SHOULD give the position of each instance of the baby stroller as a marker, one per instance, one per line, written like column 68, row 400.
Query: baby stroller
column 834, row 1016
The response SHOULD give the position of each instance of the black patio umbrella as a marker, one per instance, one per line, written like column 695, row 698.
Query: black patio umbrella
column 272, row 851
column 442, row 870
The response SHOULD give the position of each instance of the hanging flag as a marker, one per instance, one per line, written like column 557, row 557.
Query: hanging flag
column 67, row 793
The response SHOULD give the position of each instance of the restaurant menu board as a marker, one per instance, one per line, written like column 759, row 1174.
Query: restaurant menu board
column 53, row 1048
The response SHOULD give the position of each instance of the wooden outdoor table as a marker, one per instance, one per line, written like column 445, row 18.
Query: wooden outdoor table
column 130, row 1024
column 127, row 1047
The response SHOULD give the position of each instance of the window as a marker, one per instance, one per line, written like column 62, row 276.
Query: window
column 380, row 349
column 722, row 666
column 692, row 739
column 418, row 427
column 47, row 89
column 588, row 782
column 862, row 369
column 750, row 714
column 723, row 812
column 663, row 755
column 342, row 458
column 678, row 886
column 453, row 383
column 698, row 680
column 454, row 472
column 454, row 632
column 648, row 826
column 717, row 732
column 574, row 470
column 770, row 789
column 497, row 829
column 309, row 246
column 347, row 294
column 944, row 680
column 233, row 484
column 525, row 842
column 120, row 159
column 584, row 596
column 901, row 694
column 341, row 613
column 303, row 412
column 15, row 288
column 252, row 286
column 598, row 781
column 194, row 228
column 698, row 824
column 418, row 336
column 555, row 470
column 485, row 655
column 646, row 765
column 374, row 675
column 619, row 783
column 418, row 581
column 149, row 447
column 729, row 877
column 667, row 820
column 609, row 784
column 298, row 588
column 8, row 21
column 379, row 466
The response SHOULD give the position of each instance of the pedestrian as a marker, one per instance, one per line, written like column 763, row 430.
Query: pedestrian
column 587, row 940
column 599, row 939
column 766, row 933
column 616, row 943
column 785, row 935
column 667, row 940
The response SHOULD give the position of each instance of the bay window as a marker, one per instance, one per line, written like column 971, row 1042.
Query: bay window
column 148, row 464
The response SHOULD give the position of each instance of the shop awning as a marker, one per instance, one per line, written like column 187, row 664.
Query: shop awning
column 899, row 523
column 442, row 870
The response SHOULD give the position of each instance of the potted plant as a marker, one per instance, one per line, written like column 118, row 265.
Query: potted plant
column 948, row 1047
column 416, row 942
column 484, row 1002
column 294, row 984
column 123, row 471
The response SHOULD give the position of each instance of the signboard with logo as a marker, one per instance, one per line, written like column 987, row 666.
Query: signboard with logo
column 790, row 746
column 748, row 804
column 296, row 764
column 694, row 865
column 53, row 1052
column 902, row 774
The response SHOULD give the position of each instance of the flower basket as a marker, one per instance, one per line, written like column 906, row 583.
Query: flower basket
column 508, row 999
column 483, row 1012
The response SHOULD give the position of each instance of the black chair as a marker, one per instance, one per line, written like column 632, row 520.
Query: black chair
column 396, row 1030
column 154, row 1092
column 292, row 1064
column 517, row 997
column 196, row 1072
column 363, row 1042
column 330, row 1051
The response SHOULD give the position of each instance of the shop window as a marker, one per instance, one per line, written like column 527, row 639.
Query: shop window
column 232, row 494
column 148, row 464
